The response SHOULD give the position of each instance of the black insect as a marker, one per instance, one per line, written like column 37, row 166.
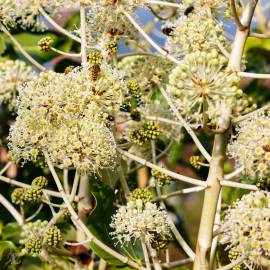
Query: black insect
column 188, row 10
column 168, row 31
column 111, row 118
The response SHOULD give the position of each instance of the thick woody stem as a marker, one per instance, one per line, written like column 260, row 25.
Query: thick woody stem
column 215, row 175
column 210, row 202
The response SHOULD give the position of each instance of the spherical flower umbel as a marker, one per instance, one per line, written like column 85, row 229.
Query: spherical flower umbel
column 63, row 115
column 13, row 75
column 137, row 220
column 108, row 23
column 250, row 147
column 246, row 227
column 201, row 85
column 27, row 12
column 195, row 32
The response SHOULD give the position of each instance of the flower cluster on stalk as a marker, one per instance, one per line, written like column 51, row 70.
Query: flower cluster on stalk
column 250, row 147
column 246, row 227
column 107, row 22
column 13, row 75
column 201, row 84
column 27, row 14
column 65, row 115
column 137, row 220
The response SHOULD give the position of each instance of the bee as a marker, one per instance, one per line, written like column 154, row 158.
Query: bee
column 188, row 10
column 266, row 148
column 94, row 72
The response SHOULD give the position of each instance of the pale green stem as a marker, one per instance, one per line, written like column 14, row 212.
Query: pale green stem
column 11, row 209
column 163, row 170
column 58, row 27
column 179, row 192
column 75, row 186
column 145, row 254
column 233, row 263
column 83, row 34
column 215, row 175
column 174, row 230
column 185, row 125
column 65, row 179
column 81, row 225
column 22, row 50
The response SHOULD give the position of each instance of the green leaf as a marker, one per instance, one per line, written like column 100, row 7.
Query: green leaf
column 11, row 231
column 2, row 45
column 253, row 42
column 6, row 246
column 98, row 222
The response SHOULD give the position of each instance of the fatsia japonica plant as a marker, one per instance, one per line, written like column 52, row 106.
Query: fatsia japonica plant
column 111, row 122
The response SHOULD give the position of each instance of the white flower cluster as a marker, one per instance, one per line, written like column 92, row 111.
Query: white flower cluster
column 147, row 70
column 195, row 32
column 138, row 220
column 107, row 21
column 27, row 13
column 201, row 84
column 64, row 115
column 13, row 75
column 251, row 146
column 206, row 4
column 246, row 227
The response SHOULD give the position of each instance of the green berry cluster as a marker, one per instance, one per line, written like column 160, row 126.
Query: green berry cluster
column 133, row 87
column 17, row 196
column 66, row 215
column 263, row 184
column 53, row 236
column 234, row 255
column 160, row 242
column 33, row 246
column 33, row 194
column 143, row 194
column 149, row 131
column 162, row 179
column 95, row 58
column 195, row 162
column 40, row 182
column 45, row 44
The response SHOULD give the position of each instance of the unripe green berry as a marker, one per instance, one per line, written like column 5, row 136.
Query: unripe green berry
column 33, row 194
column 33, row 246
column 45, row 44
column 133, row 87
column 66, row 215
column 141, row 194
column 53, row 236
column 195, row 160
column 162, row 179
column 40, row 182
column 95, row 58
column 17, row 196
column 234, row 255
